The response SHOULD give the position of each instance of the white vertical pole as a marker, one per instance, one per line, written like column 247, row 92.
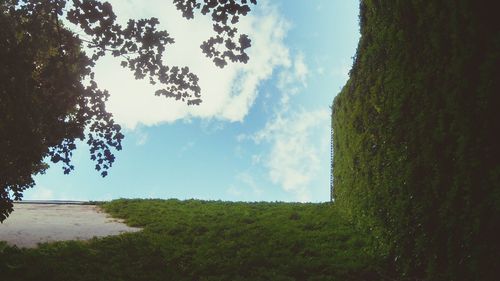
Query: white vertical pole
column 331, row 155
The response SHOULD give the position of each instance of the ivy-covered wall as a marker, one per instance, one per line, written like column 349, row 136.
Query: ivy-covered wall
column 417, row 137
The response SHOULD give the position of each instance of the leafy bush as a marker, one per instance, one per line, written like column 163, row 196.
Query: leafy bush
column 416, row 127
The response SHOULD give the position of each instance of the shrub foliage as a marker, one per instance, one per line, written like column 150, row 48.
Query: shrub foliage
column 415, row 137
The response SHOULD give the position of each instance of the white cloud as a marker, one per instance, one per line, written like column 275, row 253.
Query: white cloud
column 140, row 135
column 246, row 186
column 211, row 126
column 300, row 69
column 142, row 139
column 247, row 180
column 233, row 191
column 227, row 94
column 256, row 159
column 297, row 142
column 292, row 79
column 297, row 139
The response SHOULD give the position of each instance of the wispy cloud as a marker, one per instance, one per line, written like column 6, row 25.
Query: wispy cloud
column 292, row 79
column 233, row 191
column 140, row 135
column 248, row 181
column 245, row 186
column 297, row 138
column 297, row 141
column 228, row 94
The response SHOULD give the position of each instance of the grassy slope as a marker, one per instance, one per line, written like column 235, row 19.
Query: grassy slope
column 198, row 240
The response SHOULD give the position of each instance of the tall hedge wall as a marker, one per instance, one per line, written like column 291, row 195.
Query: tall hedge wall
column 417, row 137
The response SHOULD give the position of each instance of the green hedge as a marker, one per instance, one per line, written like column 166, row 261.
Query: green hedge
column 416, row 137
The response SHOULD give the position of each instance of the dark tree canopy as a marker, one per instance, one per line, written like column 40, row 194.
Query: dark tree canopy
column 48, row 95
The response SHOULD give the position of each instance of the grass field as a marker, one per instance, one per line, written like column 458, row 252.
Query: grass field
column 206, row 240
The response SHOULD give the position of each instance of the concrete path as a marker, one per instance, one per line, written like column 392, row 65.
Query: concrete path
column 33, row 223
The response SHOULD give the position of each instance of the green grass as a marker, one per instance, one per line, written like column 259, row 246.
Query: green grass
column 200, row 240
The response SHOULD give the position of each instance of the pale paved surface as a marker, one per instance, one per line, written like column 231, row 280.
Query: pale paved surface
column 31, row 224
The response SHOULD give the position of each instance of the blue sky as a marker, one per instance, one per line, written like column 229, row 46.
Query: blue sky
column 262, row 132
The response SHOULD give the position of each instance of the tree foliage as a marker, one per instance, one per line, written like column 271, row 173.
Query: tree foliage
column 48, row 95
column 416, row 137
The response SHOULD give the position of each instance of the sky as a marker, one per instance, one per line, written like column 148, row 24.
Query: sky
column 262, row 132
